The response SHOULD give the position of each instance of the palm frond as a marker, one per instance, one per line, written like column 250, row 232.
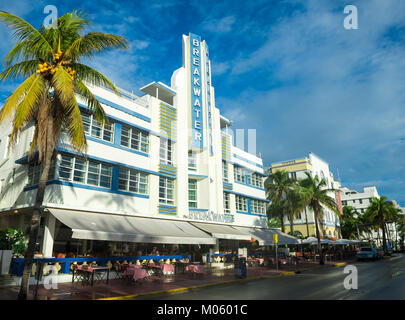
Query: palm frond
column 15, row 98
column 93, row 77
column 94, row 43
column 25, row 110
column 23, row 31
column 19, row 70
column 92, row 103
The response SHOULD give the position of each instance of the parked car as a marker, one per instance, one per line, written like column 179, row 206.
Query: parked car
column 367, row 253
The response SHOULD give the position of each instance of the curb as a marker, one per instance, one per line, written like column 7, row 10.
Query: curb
column 288, row 273
column 202, row 286
column 340, row 264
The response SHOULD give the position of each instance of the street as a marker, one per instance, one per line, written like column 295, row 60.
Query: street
column 383, row 279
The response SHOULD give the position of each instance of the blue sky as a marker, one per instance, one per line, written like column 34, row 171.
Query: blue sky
column 288, row 69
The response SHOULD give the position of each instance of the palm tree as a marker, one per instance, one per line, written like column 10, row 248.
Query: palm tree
column 294, row 204
column 349, row 222
column 378, row 212
column 50, row 62
column 315, row 196
column 277, row 186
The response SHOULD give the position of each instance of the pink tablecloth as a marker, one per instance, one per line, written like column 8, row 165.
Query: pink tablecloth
column 168, row 268
column 136, row 273
column 195, row 268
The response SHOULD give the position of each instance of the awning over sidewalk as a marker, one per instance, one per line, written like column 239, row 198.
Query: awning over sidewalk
column 112, row 227
column 265, row 236
column 222, row 231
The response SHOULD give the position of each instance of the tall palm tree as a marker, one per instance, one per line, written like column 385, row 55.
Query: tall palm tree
column 378, row 212
column 294, row 202
column 315, row 196
column 349, row 222
column 49, row 61
column 277, row 186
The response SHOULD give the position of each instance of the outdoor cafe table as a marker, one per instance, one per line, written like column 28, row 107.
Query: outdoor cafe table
column 86, row 274
column 195, row 268
column 136, row 272
column 165, row 268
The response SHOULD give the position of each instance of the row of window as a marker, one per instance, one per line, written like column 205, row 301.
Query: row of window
column 95, row 173
column 131, row 137
column 256, row 206
column 345, row 202
column 244, row 176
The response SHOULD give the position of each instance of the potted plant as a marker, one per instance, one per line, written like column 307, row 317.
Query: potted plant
column 11, row 241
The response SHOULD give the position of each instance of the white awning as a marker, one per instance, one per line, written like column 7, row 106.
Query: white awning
column 265, row 236
column 222, row 231
column 112, row 227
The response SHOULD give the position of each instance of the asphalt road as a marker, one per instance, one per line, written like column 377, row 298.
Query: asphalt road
column 384, row 279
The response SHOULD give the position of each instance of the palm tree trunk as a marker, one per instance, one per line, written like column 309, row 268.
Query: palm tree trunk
column 306, row 221
column 36, row 215
column 319, row 237
column 383, row 235
column 282, row 223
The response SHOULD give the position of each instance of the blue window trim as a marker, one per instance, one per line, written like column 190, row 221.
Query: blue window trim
column 114, row 163
column 246, row 168
column 197, row 176
column 196, row 209
column 123, row 109
column 88, row 187
column 248, row 196
column 117, row 146
column 131, row 124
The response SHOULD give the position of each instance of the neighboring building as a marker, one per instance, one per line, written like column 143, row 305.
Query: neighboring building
column 164, row 170
column 305, row 222
column 360, row 201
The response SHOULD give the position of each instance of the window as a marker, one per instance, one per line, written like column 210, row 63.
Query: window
column 192, row 160
column 360, row 201
column 192, row 193
column 344, row 202
column 241, row 203
column 225, row 171
column 362, row 210
column 97, row 130
column 239, row 174
column 88, row 172
column 135, row 139
column 227, row 202
column 354, row 201
column 35, row 171
column 132, row 181
column 255, row 179
column 257, row 206
column 293, row 175
column 166, row 151
column 166, row 190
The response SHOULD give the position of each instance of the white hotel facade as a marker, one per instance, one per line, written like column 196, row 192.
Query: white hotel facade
column 163, row 171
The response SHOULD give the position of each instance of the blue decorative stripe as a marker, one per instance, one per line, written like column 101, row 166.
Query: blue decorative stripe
column 123, row 109
column 118, row 146
column 195, row 209
column 196, row 176
column 249, row 185
column 249, row 197
column 111, row 162
column 248, row 161
column 252, row 214
column 85, row 186
column 171, row 108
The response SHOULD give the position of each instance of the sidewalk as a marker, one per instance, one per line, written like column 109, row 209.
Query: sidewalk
column 119, row 289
